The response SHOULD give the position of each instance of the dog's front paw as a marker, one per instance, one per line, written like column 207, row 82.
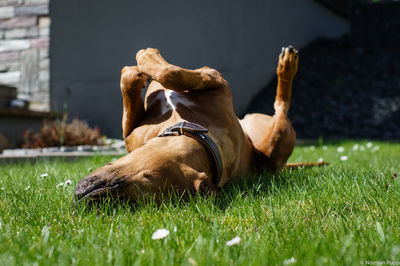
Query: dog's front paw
column 132, row 79
column 149, row 60
column 288, row 62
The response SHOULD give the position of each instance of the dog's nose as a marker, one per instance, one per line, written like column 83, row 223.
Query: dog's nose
column 95, row 187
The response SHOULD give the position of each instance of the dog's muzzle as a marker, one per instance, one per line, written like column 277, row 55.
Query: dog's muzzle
column 197, row 132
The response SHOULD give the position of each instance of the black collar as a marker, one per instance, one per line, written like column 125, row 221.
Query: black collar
column 197, row 132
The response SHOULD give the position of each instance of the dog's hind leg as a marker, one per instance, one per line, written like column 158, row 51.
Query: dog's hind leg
column 176, row 78
column 274, row 137
column 132, row 83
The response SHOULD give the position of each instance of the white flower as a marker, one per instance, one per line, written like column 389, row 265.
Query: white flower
column 324, row 147
column 312, row 147
column 369, row 145
column 234, row 241
column 28, row 187
column 160, row 234
column 355, row 147
column 374, row 149
column 289, row 261
column 44, row 175
column 340, row 149
column 343, row 158
column 362, row 148
column 64, row 184
column 320, row 160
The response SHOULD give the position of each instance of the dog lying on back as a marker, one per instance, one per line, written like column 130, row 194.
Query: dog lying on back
column 185, row 136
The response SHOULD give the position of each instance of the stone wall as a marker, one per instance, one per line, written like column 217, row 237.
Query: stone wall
column 24, row 50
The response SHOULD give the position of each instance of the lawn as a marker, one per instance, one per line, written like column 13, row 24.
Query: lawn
column 345, row 213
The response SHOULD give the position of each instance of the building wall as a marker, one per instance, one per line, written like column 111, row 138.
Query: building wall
column 24, row 50
column 93, row 39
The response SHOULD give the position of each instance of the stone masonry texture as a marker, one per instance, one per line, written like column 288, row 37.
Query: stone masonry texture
column 24, row 50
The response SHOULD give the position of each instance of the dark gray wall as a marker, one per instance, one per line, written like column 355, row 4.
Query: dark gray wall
column 92, row 40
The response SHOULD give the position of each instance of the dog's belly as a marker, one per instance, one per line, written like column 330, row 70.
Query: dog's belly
column 169, row 100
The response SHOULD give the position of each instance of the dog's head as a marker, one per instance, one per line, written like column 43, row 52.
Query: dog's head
column 147, row 173
column 111, row 181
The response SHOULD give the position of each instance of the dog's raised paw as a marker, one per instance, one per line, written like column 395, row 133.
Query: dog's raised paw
column 132, row 79
column 150, row 62
column 288, row 62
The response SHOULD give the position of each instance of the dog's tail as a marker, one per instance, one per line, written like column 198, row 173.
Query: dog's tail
column 305, row 165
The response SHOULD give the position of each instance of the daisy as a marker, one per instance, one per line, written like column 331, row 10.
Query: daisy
column 289, row 261
column 340, row 149
column 160, row 234
column 234, row 241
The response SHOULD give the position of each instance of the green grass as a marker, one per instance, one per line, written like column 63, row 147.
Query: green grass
column 340, row 214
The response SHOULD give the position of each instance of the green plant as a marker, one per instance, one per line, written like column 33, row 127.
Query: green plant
column 342, row 214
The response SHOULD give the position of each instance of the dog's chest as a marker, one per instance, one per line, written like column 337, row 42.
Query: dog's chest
column 170, row 100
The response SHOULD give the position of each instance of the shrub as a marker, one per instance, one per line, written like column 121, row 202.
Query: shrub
column 61, row 133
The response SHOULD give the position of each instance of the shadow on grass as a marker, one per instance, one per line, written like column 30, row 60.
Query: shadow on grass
column 263, row 184
column 253, row 186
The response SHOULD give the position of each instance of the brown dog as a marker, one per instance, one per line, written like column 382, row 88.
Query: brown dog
column 165, row 156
